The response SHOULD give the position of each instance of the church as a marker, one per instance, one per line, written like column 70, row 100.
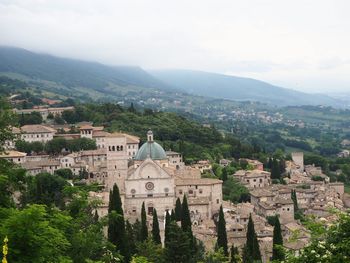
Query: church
column 158, row 178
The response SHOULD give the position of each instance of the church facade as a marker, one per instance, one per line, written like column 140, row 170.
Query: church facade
column 158, row 178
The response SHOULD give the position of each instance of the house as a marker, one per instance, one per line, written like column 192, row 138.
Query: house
column 202, row 165
column 14, row 156
column 37, row 133
column 48, row 166
column 254, row 179
column 44, row 111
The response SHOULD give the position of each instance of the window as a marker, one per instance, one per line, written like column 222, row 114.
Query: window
column 180, row 192
column 217, row 201
column 149, row 195
column 200, row 191
column 254, row 180
column 190, row 192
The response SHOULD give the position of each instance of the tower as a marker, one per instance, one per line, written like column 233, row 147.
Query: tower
column 117, row 160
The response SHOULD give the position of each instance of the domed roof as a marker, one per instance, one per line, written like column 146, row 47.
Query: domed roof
column 150, row 149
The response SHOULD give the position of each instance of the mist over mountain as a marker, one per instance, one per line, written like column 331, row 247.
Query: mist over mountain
column 238, row 88
column 71, row 73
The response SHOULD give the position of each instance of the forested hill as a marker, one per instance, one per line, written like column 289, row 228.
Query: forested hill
column 238, row 88
column 72, row 73
column 91, row 80
column 173, row 131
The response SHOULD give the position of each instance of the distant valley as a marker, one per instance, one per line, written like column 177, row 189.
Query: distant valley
column 185, row 89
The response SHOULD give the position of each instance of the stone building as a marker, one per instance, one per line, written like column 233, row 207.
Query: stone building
column 37, row 133
column 158, row 179
column 14, row 156
column 253, row 178
column 44, row 111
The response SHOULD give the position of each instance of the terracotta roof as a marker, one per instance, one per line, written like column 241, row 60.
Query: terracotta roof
column 101, row 151
column 201, row 181
column 12, row 154
column 86, row 127
column 131, row 138
column 37, row 128
column 100, row 133
column 260, row 193
column 39, row 164
column 16, row 130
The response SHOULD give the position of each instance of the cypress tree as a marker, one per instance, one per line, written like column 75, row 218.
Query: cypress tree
column 178, row 248
column 178, row 209
column 166, row 229
column 224, row 174
column 270, row 163
column 186, row 224
column 277, row 250
column 172, row 215
column 252, row 245
column 137, row 230
column 116, row 223
column 222, row 235
column 295, row 201
column 234, row 257
column 96, row 217
column 275, row 170
column 130, row 237
column 144, row 229
column 155, row 228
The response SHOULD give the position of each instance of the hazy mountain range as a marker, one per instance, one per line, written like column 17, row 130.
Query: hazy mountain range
column 71, row 73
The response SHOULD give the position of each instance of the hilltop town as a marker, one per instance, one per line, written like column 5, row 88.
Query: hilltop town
column 146, row 174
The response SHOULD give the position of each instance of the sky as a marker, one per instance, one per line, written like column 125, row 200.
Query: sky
column 298, row 44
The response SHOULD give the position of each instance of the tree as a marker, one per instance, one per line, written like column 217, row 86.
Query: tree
column 222, row 235
column 45, row 189
column 130, row 237
column 178, row 249
column 186, row 224
column 275, row 170
column 151, row 251
column 332, row 247
column 34, row 235
column 298, row 214
column 144, row 229
column 155, row 228
column 55, row 146
column 172, row 215
column 166, row 230
column 7, row 121
column 234, row 257
column 277, row 249
column 178, row 209
column 64, row 173
column 224, row 174
column 116, row 224
column 252, row 245
column 217, row 256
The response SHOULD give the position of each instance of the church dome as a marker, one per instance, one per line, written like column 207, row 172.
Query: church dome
column 150, row 149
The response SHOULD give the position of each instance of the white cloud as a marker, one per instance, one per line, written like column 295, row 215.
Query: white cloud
column 301, row 44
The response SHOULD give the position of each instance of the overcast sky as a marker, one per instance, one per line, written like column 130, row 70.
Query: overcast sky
column 299, row 44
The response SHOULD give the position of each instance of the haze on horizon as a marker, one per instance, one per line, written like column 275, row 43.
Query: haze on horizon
column 299, row 44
